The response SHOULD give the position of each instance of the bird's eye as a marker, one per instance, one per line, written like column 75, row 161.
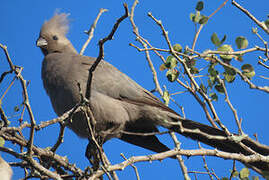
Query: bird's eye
column 55, row 38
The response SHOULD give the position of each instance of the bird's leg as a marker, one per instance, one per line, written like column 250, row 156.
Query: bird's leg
column 94, row 152
column 92, row 155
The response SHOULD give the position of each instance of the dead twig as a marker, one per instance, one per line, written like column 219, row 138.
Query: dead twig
column 91, row 31
column 262, row 25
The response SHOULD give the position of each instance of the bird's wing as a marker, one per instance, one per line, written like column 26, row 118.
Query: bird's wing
column 110, row 81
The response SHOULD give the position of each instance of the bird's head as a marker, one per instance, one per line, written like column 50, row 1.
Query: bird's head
column 52, row 37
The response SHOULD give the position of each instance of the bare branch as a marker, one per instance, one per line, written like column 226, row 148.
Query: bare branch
column 141, row 40
column 264, row 65
column 199, row 152
column 25, row 96
column 179, row 157
column 231, row 107
column 262, row 25
column 91, row 31
column 201, row 26
column 135, row 168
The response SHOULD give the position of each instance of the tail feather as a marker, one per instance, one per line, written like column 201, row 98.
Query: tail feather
column 217, row 138
column 209, row 135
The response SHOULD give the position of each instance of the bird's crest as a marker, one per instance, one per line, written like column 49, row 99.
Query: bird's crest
column 58, row 23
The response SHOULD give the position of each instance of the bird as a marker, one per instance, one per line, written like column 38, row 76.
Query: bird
column 117, row 102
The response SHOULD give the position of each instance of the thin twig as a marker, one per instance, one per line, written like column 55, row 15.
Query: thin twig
column 60, row 138
column 9, row 86
column 91, row 31
column 262, row 25
column 25, row 96
column 179, row 157
column 141, row 40
column 196, row 36
column 3, row 75
column 201, row 26
column 233, row 170
column 256, row 48
column 3, row 116
column 205, row 164
column 145, row 134
column 133, row 166
column 221, row 6
column 231, row 107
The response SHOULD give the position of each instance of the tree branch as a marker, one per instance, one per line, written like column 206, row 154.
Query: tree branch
column 262, row 25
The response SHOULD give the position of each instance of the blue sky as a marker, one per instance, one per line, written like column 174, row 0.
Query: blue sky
column 20, row 24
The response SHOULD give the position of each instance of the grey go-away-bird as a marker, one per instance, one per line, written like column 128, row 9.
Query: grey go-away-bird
column 117, row 102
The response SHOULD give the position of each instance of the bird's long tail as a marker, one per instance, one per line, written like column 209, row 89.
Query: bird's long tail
column 220, row 140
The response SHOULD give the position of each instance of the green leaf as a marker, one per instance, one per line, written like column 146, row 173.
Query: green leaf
column 203, row 20
column 223, row 39
column 244, row 173
column 172, row 75
column 224, row 178
column 219, row 88
column 166, row 97
column 197, row 17
column 212, row 71
column 192, row 16
column 267, row 23
column 226, row 48
column 229, row 74
column 228, row 77
column 241, row 42
column 171, row 62
column 248, row 70
column 230, row 71
column 177, row 47
column 199, row 6
column 215, row 40
column 211, row 81
column 2, row 142
column 250, row 74
column 213, row 96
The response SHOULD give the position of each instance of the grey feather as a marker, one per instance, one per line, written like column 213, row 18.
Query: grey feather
column 118, row 103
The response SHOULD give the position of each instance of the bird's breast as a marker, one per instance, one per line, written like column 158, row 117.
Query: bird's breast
column 60, row 86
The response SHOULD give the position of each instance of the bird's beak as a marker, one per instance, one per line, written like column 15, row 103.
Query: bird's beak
column 41, row 42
